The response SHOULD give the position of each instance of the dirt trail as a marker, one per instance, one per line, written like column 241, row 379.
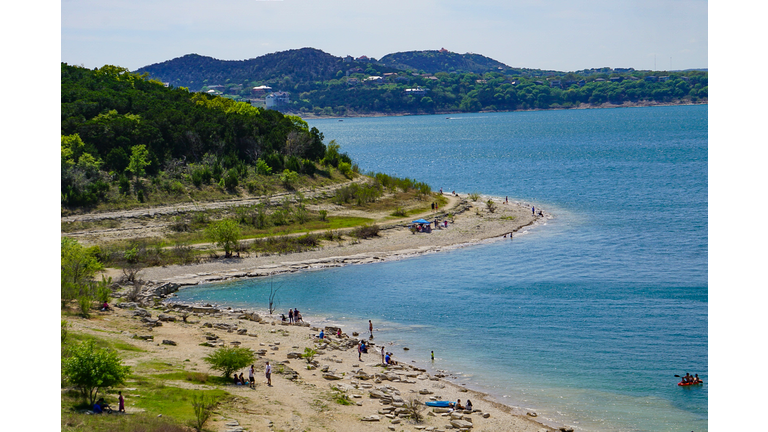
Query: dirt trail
column 179, row 208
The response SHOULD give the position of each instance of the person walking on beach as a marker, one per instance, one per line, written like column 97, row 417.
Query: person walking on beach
column 382, row 355
column 360, row 350
column 533, row 210
column 268, row 373
column 370, row 327
column 251, row 379
column 290, row 316
column 120, row 402
column 433, row 206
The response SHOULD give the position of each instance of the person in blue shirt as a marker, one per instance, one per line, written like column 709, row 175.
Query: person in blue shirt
column 322, row 334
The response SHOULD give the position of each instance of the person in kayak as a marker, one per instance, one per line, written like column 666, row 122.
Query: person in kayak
column 697, row 380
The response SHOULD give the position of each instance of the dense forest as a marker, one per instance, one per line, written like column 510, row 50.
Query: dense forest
column 423, row 82
column 124, row 136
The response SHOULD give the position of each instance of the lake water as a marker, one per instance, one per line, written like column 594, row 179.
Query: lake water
column 585, row 319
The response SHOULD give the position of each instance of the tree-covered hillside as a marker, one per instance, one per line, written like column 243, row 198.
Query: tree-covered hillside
column 117, row 126
column 442, row 61
column 423, row 82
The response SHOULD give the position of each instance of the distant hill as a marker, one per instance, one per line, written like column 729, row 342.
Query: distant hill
column 195, row 71
column 432, row 61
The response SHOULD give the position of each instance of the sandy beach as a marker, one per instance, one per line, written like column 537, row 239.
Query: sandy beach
column 300, row 398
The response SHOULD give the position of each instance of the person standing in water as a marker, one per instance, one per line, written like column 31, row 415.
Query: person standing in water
column 431, row 352
column 370, row 327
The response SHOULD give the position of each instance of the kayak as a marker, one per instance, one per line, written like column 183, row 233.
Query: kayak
column 682, row 384
column 440, row 404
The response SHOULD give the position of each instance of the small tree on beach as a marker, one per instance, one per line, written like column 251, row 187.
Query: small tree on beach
column 91, row 369
column 491, row 205
column 228, row 360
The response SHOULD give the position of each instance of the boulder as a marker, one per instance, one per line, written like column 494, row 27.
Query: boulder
column 371, row 418
column 461, row 424
column 332, row 376
column 166, row 317
column 168, row 342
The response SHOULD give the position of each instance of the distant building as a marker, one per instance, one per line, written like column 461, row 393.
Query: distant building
column 416, row 91
column 443, row 50
column 651, row 78
column 556, row 83
column 276, row 100
column 261, row 90
column 348, row 59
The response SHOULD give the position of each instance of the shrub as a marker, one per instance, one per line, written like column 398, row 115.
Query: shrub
column 230, row 179
column 64, row 332
column 85, row 302
column 346, row 169
column 323, row 215
column 474, row 196
column 263, row 168
column 400, row 212
column 228, row 360
column 203, row 407
column 289, row 178
column 491, row 205
column 309, row 354
column 366, row 231
column 91, row 369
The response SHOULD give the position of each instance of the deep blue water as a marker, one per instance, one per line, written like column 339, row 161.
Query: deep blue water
column 586, row 319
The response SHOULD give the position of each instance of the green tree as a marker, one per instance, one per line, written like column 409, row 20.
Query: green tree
column 289, row 178
column 224, row 233
column 78, row 265
column 228, row 360
column 91, row 369
column 139, row 160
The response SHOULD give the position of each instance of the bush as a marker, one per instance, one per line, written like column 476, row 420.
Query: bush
column 263, row 168
column 203, row 407
column 230, row 179
column 91, row 369
column 228, row 360
column 346, row 169
column 366, row 231
column 289, row 178
column 85, row 302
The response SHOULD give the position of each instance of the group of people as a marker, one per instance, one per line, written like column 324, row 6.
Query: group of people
column 100, row 406
column 688, row 379
column 251, row 382
column 294, row 316
column 459, row 406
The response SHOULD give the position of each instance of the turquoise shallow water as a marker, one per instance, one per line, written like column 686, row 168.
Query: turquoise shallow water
column 585, row 319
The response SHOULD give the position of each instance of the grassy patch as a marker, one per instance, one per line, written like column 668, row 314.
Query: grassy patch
column 142, row 422
column 103, row 343
column 173, row 401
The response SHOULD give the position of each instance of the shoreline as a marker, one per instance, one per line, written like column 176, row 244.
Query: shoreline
column 605, row 105
column 373, row 389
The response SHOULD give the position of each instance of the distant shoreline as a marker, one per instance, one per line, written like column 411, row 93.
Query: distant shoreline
column 606, row 105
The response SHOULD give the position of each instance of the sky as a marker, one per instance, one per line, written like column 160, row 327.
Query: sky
column 563, row 35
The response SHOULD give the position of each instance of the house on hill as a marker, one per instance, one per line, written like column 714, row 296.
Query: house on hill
column 261, row 90
column 276, row 100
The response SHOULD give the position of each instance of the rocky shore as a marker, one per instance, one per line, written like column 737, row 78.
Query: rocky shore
column 305, row 392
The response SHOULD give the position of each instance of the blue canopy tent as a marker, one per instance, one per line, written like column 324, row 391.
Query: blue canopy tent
column 421, row 221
